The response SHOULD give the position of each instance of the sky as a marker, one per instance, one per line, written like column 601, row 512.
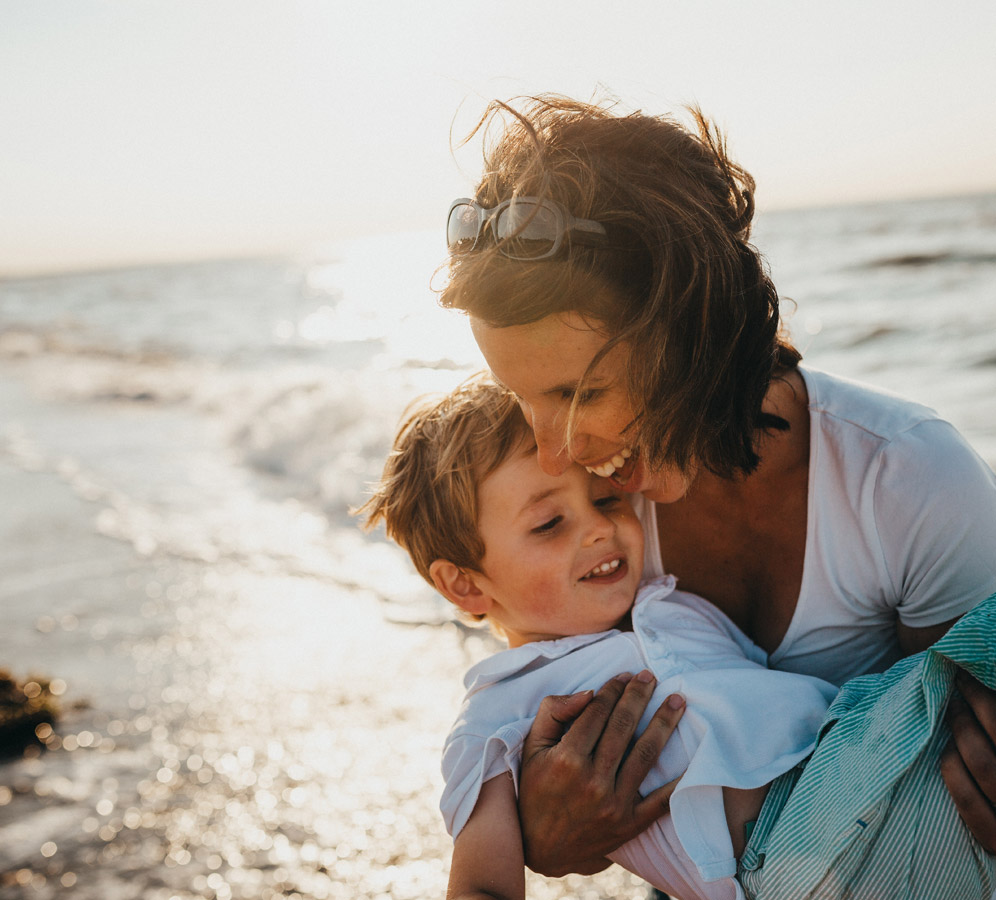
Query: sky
column 148, row 130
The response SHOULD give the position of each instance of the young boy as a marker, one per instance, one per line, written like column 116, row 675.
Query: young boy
column 554, row 563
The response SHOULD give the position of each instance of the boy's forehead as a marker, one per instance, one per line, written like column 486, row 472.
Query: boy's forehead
column 522, row 448
column 518, row 484
column 527, row 445
column 522, row 457
column 519, row 479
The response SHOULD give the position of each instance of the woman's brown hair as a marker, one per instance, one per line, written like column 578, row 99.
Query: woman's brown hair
column 689, row 295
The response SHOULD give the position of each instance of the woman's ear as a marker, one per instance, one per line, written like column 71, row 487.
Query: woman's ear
column 459, row 587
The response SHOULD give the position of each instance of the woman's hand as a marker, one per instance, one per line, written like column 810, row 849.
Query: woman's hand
column 968, row 765
column 579, row 789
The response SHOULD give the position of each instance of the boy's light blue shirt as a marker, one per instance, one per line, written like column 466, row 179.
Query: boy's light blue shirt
column 743, row 724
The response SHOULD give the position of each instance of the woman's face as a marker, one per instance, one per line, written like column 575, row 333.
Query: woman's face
column 543, row 363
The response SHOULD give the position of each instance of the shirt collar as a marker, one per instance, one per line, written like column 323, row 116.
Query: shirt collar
column 506, row 663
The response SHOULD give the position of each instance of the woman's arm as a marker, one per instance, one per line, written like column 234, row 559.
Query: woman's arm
column 487, row 860
column 579, row 785
column 936, row 506
column 968, row 765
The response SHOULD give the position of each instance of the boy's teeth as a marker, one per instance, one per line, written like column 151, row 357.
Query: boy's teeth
column 610, row 466
column 604, row 568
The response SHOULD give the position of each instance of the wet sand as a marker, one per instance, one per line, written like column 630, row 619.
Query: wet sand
column 231, row 731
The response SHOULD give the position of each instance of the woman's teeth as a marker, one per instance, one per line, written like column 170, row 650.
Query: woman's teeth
column 604, row 568
column 610, row 466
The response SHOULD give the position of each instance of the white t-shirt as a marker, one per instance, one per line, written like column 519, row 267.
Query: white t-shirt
column 743, row 726
column 901, row 522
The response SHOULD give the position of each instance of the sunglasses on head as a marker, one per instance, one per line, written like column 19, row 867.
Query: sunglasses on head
column 522, row 228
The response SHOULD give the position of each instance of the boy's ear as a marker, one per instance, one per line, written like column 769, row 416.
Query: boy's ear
column 459, row 587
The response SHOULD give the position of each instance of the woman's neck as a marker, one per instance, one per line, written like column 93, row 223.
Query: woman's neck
column 740, row 542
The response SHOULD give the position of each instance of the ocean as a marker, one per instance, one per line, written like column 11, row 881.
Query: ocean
column 256, row 692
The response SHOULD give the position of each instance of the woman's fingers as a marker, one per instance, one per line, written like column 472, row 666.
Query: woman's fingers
column 982, row 701
column 654, row 805
column 645, row 752
column 555, row 716
column 588, row 728
column 613, row 741
column 973, row 727
column 968, row 765
column 975, row 812
column 579, row 791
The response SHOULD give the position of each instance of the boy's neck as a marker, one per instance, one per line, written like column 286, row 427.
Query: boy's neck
column 624, row 624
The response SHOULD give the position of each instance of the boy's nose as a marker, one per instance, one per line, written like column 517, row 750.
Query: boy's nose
column 600, row 528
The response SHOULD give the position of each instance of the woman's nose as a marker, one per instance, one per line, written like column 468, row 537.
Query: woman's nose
column 552, row 456
column 551, row 448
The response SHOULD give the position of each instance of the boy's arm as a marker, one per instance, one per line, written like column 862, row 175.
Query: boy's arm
column 488, row 861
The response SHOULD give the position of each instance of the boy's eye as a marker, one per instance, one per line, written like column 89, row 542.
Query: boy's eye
column 548, row 526
column 609, row 501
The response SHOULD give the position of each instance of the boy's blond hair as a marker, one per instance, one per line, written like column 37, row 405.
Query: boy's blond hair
column 445, row 447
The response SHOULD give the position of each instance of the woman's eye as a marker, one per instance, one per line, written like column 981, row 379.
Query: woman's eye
column 548, row 526
column 582, row 396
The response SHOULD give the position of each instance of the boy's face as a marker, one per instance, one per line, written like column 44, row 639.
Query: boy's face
column 563, row 553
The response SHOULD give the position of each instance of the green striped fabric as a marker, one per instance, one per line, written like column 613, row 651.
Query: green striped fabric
column 868, row 817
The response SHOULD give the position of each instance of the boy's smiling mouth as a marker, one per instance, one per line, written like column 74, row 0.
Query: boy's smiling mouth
column 604, row 569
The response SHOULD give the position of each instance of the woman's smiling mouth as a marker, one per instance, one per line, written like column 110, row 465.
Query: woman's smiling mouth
column 612, row 465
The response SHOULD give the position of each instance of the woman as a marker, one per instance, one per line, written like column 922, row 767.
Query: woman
column 605, row 266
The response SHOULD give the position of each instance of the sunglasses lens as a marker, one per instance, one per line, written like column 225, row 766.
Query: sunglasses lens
column 528, row 230
column 462, row 227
